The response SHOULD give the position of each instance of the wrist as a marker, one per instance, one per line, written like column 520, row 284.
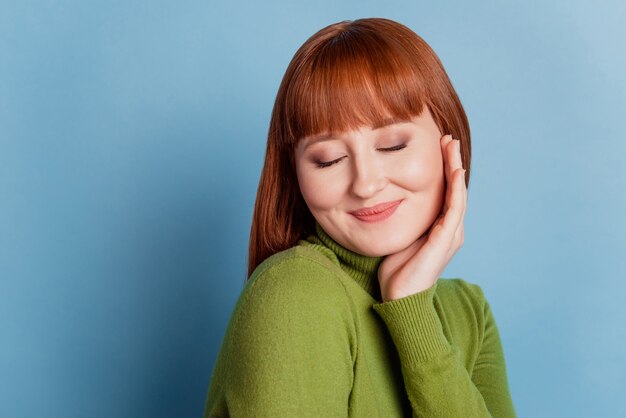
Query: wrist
column 402, row 293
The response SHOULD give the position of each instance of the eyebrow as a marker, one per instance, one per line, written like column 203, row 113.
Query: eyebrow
column 378, row 125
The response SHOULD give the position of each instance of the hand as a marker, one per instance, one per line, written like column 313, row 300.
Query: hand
column 417, row 267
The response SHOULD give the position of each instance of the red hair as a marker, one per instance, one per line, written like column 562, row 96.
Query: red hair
column 347, row 75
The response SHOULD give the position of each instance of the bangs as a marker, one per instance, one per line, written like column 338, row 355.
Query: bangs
column 354, row 80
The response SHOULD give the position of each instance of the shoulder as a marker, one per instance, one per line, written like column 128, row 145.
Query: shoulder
column 292, row 314
column 297, row 282
column 301, row 259
column 298, row 270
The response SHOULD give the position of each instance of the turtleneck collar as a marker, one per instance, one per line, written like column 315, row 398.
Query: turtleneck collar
column 363, row 269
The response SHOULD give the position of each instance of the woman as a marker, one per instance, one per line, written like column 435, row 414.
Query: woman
column 359, row 209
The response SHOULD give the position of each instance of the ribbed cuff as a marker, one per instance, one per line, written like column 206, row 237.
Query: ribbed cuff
column 414, row 326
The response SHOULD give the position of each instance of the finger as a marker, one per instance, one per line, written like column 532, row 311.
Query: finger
column 459, row 233
column 456, row 156
column 449, row 230
column 446, row 157
column 448, row 196
column 445, row 141
column 458, row 199
column 454, row 160
column 456, row 210
column 458, row 163
column 452, row 151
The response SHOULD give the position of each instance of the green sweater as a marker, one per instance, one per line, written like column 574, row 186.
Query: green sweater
column 310, row 337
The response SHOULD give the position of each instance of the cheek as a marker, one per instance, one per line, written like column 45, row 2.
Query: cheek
column 422, row 172
column 318, row 193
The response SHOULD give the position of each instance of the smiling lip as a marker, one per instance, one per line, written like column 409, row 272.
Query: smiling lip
column 376, row 213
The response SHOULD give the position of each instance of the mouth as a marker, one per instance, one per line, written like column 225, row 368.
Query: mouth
column 376, row 213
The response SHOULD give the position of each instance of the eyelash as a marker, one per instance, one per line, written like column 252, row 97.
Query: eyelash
column 329, row 163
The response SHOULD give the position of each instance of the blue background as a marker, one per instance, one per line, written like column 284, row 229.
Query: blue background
column 132, row 136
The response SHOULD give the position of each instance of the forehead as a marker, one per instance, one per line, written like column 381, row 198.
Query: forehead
column 393, row 120
column 423, row 120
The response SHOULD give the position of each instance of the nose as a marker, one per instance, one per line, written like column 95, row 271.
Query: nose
column 369, row 177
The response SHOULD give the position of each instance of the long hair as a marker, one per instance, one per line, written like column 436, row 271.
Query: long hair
column 347, row 75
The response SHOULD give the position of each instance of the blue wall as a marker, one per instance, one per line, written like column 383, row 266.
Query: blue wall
column 131, row 141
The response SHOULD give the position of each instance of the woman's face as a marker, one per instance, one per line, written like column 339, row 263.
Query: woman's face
column 364, row 175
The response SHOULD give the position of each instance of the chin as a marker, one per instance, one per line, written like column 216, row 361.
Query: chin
column 384, row 247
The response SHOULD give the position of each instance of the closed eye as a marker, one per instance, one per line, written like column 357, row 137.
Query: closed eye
column 321, row 164
column 394, row 148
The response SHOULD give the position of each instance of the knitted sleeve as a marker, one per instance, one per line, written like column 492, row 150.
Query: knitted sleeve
column 436, row 381
column 286, row 353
